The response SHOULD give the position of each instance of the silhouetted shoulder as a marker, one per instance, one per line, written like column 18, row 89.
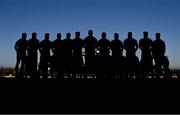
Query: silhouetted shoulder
column 116, row 43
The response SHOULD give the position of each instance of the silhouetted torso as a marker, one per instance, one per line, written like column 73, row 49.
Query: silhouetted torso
column 131, row 46
column 145, row 45
column 45, row 47
column 116, row 47
column 90, row 44
column 33, row 46
column 57, row 47
column 21, row 47
column 77, row 47
column 158, row 48
column 104, row 45
column 67, row 43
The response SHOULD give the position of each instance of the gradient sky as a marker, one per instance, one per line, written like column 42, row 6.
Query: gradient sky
column 122, row 16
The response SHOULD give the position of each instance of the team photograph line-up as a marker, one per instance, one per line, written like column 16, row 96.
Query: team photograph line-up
column 87, row 58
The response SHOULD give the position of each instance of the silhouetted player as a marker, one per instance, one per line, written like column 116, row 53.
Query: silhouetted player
column 67, row 57
column 44, row 49
column 90, row 45
column 33, row 46
column 77, row 54
column 103, row 60
column 57, row 60
column 21, row 47
column 118, row 60
column 159, row 54
column 131, row 46
column 145, row 44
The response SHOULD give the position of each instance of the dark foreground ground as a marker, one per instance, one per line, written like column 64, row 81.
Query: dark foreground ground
column 89, row 96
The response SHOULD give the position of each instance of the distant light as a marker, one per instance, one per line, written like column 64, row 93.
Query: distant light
column 149, row 77
column 174, row 76
column 9, row 76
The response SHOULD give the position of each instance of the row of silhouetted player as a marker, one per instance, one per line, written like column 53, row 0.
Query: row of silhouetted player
column 78, row 58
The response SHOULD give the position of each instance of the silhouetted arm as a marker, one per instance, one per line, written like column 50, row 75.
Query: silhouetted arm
column 109, row 44
column 122, row 46
column 136, row 46
column 164, row 47
column 125, row 45
column 140, row 44
column 95, row 43
column 53, row 50
column 84, row 43
column 53, row 47
column 16, row 46
column 27, row 46
column 39, row 47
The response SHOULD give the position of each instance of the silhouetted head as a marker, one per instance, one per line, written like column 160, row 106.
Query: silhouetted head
column 158, row 35
column 90, row 32
column 116, row 35
column 68, row 35
column 104, row 35
column 34, row 35
column 46, row 36
column 129, row 34
column 24, row 35
column 145, row 34
column 77, row 34
column 59, row 35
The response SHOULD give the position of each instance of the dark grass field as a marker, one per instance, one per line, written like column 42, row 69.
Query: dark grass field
column 83, row 96
column 89, row 96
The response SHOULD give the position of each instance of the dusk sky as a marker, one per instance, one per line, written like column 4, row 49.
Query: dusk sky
column 121, row 16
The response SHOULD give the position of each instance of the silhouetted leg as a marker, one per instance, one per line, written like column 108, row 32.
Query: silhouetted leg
column 16, row 67
column 23, row 64
column 17, row 72
column 34, row 72
column 167, row 73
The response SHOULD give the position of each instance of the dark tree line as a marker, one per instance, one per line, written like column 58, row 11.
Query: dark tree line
column 81, row 58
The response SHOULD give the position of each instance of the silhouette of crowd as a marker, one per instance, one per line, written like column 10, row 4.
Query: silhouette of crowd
column 91, row 58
